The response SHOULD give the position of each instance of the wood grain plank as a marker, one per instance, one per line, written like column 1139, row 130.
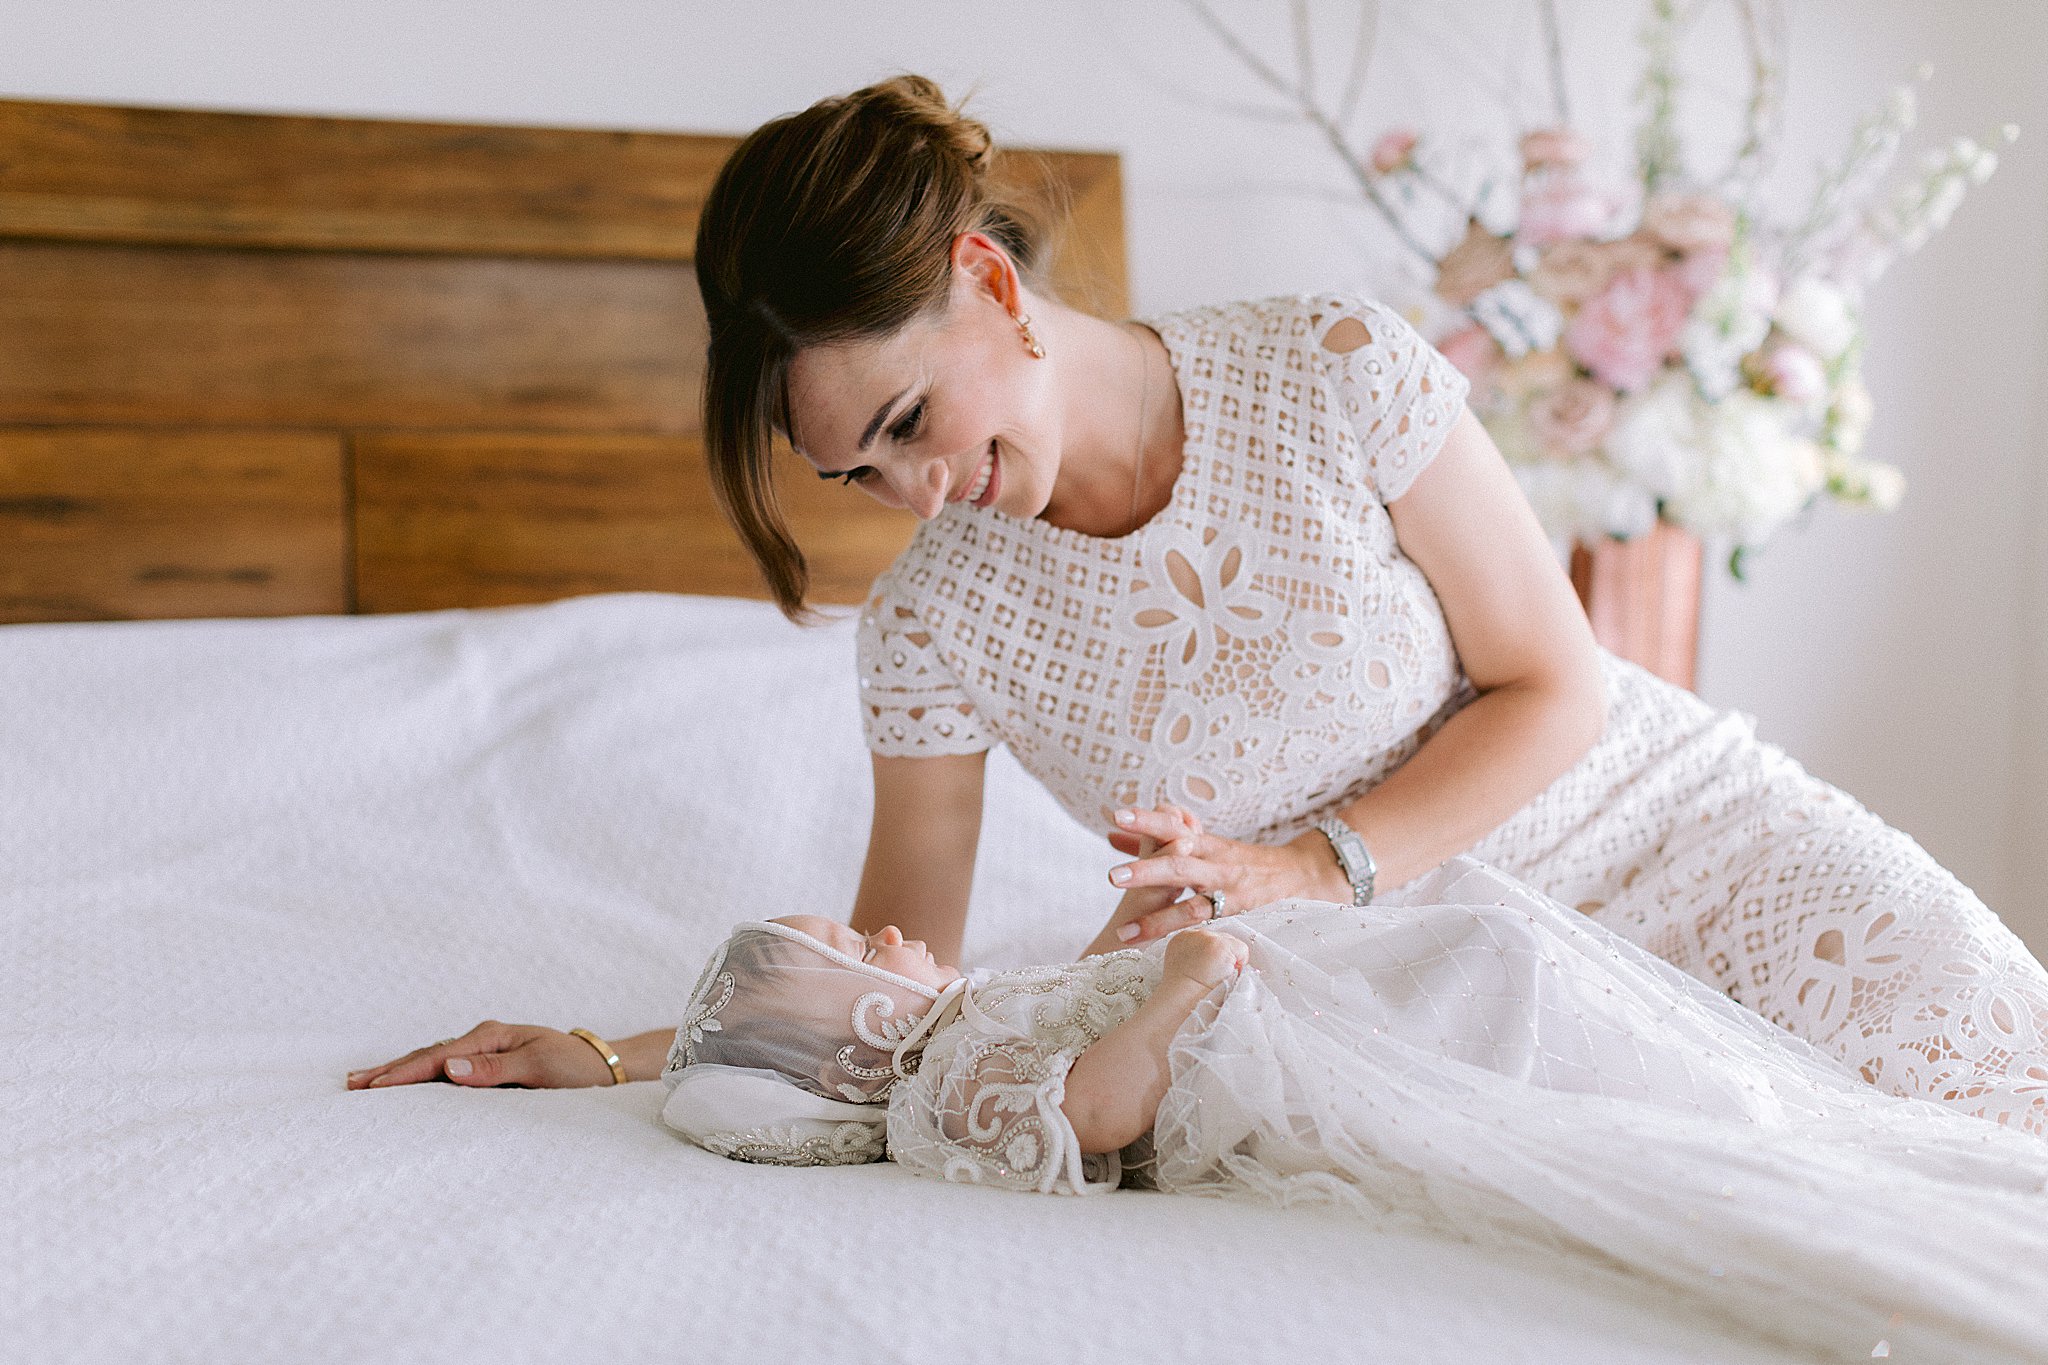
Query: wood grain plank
column 496, row 519
column 201, row 337
column 190, row 177
column 184, row 177
column 113, row 524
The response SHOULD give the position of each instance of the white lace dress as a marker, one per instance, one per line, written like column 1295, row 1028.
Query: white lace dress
column 1470, row 1059
column 1263, row 653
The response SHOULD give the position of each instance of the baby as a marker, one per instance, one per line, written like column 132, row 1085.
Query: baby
column 801, row 1029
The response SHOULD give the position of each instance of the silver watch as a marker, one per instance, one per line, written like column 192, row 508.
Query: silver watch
column 1353, row 857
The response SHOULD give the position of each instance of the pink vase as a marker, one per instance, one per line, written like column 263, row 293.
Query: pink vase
column 1643, row 598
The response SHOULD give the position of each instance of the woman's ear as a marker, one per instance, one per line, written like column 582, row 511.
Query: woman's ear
column 988, row 269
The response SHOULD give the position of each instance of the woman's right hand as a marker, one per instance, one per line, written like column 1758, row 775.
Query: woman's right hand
column 1205, row 956
column 495, row 1054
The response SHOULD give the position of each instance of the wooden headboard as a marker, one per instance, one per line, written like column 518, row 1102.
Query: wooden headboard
column 254, row 365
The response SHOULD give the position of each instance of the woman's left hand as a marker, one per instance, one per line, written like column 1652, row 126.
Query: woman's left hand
column 494, row 1054
column 1247, row 875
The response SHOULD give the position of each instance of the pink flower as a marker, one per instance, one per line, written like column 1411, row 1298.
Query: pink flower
column 1795, row 373
column 1559, row 147
column 1476, row 354
column 1690, row 222
column 1476, row 264
column 1558, row 207
column 1637, row 251
column 1701, row 271
column 1570, row 272
column 1624, row 334
column 1573, row 418
column 1536, row 372
column 1393, row 150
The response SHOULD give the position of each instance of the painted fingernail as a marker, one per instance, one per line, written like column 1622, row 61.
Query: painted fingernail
column 1119, row 875
column 459, row 1066
column 1127, row 932
column 1124, row 817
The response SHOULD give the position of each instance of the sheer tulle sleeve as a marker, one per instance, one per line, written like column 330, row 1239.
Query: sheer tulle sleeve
column 1398, row 392
column 985, row 1110
column 911, row 705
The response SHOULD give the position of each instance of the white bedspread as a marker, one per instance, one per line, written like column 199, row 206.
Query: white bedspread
column 238, row 858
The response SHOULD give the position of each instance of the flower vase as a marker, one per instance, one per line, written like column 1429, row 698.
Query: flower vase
column 1643, row 598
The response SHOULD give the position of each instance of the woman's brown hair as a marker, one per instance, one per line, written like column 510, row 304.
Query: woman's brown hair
column 833, row 224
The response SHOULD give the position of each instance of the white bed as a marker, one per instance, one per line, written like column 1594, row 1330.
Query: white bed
column 238, row 857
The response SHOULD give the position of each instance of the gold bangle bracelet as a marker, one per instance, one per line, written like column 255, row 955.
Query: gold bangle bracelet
column 604, row 1050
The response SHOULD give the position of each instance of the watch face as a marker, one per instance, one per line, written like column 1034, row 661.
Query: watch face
column 1353, row 857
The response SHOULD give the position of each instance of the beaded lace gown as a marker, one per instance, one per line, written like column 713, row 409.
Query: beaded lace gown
column 1470, row 1058
column 1262, row 653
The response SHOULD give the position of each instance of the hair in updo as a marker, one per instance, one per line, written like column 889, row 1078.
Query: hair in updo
column 833, row 224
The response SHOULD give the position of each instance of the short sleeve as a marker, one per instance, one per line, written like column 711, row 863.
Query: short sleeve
column 911, row 705
column 985, row 1110
column 1399, row 393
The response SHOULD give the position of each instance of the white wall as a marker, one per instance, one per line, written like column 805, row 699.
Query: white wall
column 1899, row 657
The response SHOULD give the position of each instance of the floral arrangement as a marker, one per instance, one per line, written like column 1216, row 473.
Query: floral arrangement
column 1667, row 353
column 1660, row 350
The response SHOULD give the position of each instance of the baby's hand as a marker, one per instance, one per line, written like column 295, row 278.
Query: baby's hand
column 1205, row 956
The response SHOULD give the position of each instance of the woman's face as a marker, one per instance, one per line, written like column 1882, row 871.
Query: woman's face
column 941, row 412
column 885, row 948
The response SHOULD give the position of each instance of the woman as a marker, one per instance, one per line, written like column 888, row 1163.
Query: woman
column 1257, row 560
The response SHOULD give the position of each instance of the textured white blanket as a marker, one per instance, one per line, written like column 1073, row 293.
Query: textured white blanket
column 238, row 858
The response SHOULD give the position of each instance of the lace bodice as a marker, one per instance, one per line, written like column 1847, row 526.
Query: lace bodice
column 1260, row 652
column 984, row 1105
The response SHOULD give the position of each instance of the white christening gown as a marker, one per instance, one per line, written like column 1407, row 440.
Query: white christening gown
column 1263, row 653
column 1470, row 1058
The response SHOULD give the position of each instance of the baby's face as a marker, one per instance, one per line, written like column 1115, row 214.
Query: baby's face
column 885, row 948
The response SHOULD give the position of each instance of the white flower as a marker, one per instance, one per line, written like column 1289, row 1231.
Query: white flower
column 1585, row 499
column 1518, row 317
column 1817, row 313
column 1900, row 107
column 1753, row 473
column 1657, row 434
column 1610, row 505
column 1869, row 486
column 1850, row 414
column 1713, row 357
column 1729, row 322
column 1947, row 199
column 1982, row 165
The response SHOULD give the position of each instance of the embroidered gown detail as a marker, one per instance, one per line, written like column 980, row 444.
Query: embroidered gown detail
column 1471, row 1059
column 1263, row 653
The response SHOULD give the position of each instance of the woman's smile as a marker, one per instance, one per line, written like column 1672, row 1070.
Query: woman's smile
column 987, row 482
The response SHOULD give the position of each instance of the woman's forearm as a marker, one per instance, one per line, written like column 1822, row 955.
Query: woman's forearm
column 922, row 841
column 1114, row 1088
column 1488, row 761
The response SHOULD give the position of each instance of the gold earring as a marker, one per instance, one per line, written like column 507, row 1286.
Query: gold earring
column 1030, row 341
